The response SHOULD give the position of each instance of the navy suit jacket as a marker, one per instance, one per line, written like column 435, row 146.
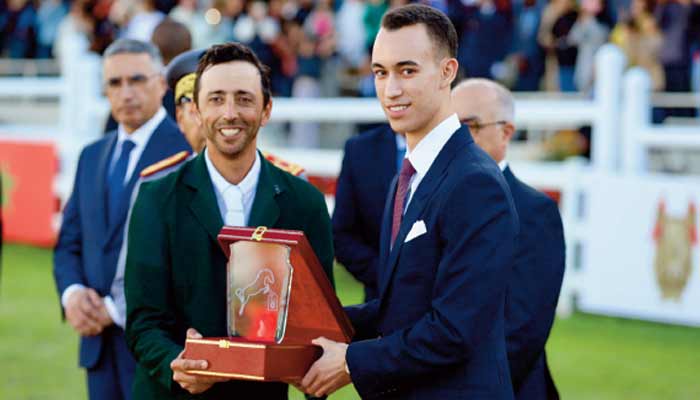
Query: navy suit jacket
column 437, row 329
column 88, row 248
column 369, row 165
column 533, row 290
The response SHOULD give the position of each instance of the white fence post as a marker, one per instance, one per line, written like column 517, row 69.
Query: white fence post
column 609, row 66
column 636, row 118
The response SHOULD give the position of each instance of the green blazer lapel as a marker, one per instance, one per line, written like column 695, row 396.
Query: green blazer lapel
column 266, row 211
column 203, row 203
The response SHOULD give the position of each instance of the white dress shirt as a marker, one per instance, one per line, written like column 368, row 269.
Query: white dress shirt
column 235, row 201
column 503, row 164
column 140, row 137
column 427, row 150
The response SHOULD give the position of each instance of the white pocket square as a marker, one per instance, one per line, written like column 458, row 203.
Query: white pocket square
column 417, row 229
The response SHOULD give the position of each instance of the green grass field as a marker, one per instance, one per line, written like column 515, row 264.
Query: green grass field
column 591, row 357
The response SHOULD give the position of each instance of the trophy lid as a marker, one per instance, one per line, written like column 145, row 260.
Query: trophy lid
column 314, row 309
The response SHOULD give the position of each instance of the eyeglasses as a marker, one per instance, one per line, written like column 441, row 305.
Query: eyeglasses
column 137, row 80
column 475, row 126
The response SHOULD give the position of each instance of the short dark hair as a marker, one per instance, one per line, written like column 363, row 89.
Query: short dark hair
column 232, row 51
column 440, row 29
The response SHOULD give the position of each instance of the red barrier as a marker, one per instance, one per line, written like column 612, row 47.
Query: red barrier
column 27, row 170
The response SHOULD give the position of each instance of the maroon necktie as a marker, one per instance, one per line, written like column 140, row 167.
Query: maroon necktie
column 405, row 175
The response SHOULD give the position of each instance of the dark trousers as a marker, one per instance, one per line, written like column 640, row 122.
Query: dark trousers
column 112, row 377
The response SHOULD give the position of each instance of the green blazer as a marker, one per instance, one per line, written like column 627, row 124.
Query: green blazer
column 176, row 271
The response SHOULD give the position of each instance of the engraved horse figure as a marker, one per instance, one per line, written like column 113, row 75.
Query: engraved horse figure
column 260, row 285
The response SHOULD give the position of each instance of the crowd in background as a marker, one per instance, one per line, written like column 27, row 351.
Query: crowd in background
column 321, row 47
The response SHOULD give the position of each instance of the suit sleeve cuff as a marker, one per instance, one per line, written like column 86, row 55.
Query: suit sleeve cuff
column 69, row 291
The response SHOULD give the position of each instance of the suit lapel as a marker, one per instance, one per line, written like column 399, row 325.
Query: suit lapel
column 203, row 204
column 152, row 153
column 426, row 189
column 385, row 235
column 266, row 211
column 101, row 182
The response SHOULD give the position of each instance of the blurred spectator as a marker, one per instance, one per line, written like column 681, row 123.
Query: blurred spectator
column 694, row 39
column 351, row 33
column 528, row 55
column 74, row 33
column 49, row 17
column 17, row 29
column 374, row 10
column 143, row 22
column 186, row 13
column 215, row 24
column 558, row 19
column 639, row 37
column 672, row 17
column 551, row 15
column 306, row 85
column 589, row 33
column 486, row 37
column 172, row 38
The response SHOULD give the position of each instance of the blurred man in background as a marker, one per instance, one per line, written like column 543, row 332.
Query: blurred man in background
column 533, row 289
column 180, row 75
column 370, row 162
column 85, row 258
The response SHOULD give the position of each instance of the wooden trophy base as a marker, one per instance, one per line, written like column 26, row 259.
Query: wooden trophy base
column 238, row 358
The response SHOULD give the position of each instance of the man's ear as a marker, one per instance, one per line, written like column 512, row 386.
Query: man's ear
column 267, row 111
column 448, row 71
column 508, row 131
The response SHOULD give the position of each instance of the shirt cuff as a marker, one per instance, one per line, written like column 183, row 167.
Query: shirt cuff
column 69, row 291
column 113, row 312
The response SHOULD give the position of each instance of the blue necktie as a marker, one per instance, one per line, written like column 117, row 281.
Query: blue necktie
column 116, row 184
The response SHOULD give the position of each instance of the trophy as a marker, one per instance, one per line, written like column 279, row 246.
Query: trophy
column 278, row 300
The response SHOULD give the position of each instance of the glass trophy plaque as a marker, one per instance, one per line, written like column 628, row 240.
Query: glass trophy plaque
column 278, row 300
column 259, row 279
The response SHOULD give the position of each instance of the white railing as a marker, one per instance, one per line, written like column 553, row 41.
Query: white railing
column 639, row 133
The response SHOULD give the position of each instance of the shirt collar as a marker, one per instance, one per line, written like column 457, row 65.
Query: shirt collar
column 247, row 185
column 423, row 155
column 503, row 165
column 141, row 135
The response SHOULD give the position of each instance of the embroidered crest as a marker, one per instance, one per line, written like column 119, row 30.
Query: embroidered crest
column 675, row 238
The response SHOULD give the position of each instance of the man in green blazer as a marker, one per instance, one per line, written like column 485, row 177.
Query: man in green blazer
column 175, row 271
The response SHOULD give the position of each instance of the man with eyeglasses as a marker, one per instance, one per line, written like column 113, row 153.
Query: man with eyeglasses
column 533, row 288
column 90, row 239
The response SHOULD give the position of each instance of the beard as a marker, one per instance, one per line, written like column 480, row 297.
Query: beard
column 231, row 147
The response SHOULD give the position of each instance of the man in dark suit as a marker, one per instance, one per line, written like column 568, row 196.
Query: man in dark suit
column 175, row 270
column 533, row 290
column 85, row 258
column 437, row 329
column 370, row 162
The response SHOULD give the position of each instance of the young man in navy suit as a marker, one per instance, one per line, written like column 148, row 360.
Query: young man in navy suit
column 447, row 244
column 533, row 290
column 85, row 258
column 370, row 161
